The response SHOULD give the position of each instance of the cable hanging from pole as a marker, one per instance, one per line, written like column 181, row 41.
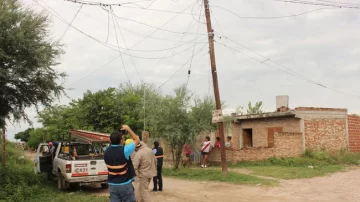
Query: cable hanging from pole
column 90, row 3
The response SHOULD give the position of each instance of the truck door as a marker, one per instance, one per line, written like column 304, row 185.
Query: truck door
column 43, row 158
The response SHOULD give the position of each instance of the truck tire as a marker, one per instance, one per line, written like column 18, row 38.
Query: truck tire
column 74, row 186
column 60, row 182
column 104, row 186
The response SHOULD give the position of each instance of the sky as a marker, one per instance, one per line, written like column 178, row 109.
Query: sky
column 263, row 48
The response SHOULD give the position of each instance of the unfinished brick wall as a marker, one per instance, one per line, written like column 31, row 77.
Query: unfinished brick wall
column 329, row 134
column 354, row 133
column 260, row 128
column 285, row 145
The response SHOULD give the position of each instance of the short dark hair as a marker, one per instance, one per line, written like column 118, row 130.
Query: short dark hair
column 218, row 138
column 156, row 143
column 208, row 138
column 229, row 137
column 115, row 137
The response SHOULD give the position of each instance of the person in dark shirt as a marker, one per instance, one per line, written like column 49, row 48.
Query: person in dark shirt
column 121, row 170
column 159, row 155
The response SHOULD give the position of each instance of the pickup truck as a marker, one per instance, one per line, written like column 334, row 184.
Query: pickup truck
column 73, row 163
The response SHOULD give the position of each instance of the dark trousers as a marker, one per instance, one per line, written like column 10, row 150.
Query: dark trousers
column 122, row 193
column 158, row 179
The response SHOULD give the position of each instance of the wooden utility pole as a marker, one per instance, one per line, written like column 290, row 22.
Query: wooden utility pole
column 216, row 85
column 3, row 142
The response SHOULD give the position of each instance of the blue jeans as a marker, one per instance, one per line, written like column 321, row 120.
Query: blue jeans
column 122, row 193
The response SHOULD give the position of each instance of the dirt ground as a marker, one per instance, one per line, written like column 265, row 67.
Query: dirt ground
column 337, row 187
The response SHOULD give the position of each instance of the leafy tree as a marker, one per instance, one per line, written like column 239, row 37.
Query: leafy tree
column 37, row 136
column 178, row 122
column 24, row 135
column 27, row 57
column 256, row 109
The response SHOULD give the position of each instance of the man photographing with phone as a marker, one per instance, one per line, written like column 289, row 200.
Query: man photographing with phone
column 121, row 170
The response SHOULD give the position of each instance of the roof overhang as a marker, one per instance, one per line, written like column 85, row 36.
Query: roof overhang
column 265, row 115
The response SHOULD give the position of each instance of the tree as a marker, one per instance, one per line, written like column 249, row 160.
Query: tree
column 24, row 135
column 27, row 57
column 256, row 109
column 178, row 122
column 36, row 137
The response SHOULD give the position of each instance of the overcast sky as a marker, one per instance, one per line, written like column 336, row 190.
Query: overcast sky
column 321, row 46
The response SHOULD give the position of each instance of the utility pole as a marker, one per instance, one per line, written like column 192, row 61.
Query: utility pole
column 144, row 106
column 216, row 86
column 3, row 144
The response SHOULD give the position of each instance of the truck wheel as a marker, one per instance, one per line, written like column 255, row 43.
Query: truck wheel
column 60, row 182
column 104, row 186
column 74, row 186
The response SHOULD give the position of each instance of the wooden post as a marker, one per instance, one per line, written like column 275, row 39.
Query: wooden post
column 216, row 86
column 3, row 145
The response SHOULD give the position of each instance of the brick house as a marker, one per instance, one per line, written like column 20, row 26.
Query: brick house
column 288, row 132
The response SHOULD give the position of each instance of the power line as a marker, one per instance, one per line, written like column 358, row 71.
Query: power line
column 71, row 22
column 117, row 41
column 270, row 18
column 292, row 73
column 92, row 3
column 158, row 10
column 192, row 57
column 337, row 2
column 132, row 60
column 173, row 50
column 106, row 64
column 161, row 27
column 181, row 67
column 100, row 42
column 318, row 4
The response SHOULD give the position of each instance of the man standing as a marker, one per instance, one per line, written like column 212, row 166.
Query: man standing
column 145, row 169
column 121, row 170
column 159, row 155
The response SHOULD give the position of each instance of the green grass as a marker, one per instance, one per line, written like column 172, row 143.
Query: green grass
column 216, row 175
column 20, row 183
column 294, row 172
column 322, row 163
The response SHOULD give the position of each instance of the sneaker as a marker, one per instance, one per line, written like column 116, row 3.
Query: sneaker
column 202, row 166
column 205, row 166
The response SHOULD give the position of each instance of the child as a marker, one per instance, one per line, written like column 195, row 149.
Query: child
column 205, row 151
column 217, row 143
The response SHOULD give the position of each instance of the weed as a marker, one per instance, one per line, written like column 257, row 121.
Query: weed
column 216, row 175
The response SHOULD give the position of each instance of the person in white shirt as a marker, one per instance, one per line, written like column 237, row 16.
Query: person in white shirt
column 205, row 149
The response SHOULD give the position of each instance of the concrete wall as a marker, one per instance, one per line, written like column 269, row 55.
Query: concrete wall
column 285, row 145
column 354, row 133
column 260, row 129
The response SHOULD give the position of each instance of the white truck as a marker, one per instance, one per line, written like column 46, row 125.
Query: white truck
column 73, row 163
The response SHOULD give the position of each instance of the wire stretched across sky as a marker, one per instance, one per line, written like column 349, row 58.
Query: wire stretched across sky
column 319, row 4
column 288, row 71
column 270, row 18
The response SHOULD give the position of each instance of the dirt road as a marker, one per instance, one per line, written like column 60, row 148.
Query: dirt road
column 338, row 187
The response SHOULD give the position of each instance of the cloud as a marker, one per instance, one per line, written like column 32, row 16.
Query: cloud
column 321, row 45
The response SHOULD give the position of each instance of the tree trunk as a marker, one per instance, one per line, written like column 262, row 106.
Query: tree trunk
column 3, row 145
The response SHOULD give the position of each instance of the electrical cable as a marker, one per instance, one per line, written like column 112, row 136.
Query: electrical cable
column 123, row 38
column 70, row 23
column 100, row 42
column 173, row 50
column 318, row 4
column 106, row 64
column 271, row 18
column 92, row 3
column 292, row 73
column 117, row 41
column 192, row 57
column 181, row 68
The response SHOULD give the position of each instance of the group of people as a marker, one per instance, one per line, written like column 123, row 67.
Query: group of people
column 206, row 148
column 146, row 164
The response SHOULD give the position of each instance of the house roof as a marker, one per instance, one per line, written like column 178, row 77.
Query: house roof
column 290, row 113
